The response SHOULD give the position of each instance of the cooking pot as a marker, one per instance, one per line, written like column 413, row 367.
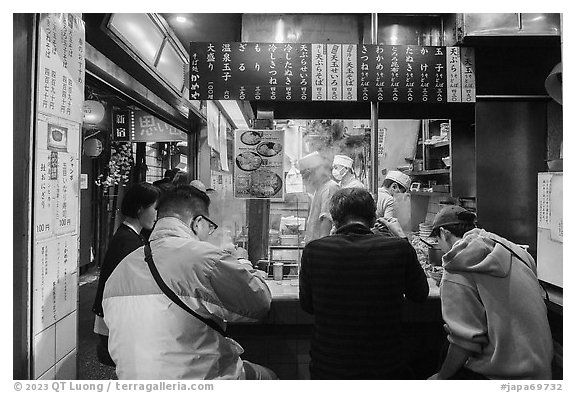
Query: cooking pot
column 435, row 256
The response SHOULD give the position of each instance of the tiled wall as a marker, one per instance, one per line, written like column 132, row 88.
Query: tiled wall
column 433, row 207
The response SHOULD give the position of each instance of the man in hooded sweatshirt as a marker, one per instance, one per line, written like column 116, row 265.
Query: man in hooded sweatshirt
column 492, row 304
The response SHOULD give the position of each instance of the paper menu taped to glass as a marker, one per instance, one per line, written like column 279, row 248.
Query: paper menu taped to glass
column 556, row 220
column 544, row 208
column 259, row 164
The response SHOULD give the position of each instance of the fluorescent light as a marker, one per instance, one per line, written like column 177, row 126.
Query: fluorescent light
column 233, row 110
column 181, row 19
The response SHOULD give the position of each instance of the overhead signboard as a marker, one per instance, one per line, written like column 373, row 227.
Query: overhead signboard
column 331, row 72
column 139, row 126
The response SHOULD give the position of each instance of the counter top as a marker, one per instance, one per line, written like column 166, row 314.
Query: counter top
column 287, row 289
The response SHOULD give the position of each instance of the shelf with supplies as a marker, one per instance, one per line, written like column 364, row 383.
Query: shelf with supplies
column 430, row 172
column 429, row 193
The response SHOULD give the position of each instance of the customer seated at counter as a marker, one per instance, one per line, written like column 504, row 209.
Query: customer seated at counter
column 495, row 315
column 354, row 283
column 155, row 336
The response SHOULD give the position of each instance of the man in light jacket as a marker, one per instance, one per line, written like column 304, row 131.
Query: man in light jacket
column 492, row 304
column 151, row 337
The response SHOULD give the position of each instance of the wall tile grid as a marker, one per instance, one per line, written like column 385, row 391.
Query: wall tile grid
column 433, row 208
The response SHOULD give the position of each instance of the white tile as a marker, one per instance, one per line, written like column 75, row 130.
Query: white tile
column 66, row 368
column 44, row 355
column 66, row 331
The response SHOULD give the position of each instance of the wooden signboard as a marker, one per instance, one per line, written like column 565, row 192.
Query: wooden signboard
column 140, row 126
column 331, row 72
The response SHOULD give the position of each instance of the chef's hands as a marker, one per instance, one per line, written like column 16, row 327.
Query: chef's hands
column 392, row 225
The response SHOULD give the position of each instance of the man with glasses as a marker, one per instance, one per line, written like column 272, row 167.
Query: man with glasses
column 152, row 337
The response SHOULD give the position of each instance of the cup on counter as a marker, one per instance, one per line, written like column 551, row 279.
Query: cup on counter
column 278, row 269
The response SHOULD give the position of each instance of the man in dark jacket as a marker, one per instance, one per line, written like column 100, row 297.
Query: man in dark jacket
column 354, row 282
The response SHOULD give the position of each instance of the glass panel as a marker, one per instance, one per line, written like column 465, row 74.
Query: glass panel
column 425, row 30
column 338, row 28
column 140, row 32
column 171, row 66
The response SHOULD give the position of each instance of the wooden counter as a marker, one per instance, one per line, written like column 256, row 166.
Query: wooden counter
column 282, row 340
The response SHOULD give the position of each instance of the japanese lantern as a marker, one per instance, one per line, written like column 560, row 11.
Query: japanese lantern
column 92, row 147
column 93, row 112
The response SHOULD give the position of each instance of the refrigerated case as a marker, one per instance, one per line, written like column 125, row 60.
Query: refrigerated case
column 550, row 228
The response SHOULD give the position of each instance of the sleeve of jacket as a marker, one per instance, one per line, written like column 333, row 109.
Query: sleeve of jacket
column 305, row 288
column 386, row 209
column 464, row 315
column 243, row 292
column 416, row 283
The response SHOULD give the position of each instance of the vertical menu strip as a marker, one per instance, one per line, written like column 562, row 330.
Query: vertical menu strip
column 453, row 74
column 468, row 76
column 318, row 72
column 349, row 72
column 334, row 72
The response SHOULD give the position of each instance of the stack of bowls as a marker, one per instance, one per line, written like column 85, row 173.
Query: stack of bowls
column 425, row 229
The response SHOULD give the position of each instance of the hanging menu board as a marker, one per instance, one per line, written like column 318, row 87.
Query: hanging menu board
column 259, row 164
column 331, row 72
column 140, row 126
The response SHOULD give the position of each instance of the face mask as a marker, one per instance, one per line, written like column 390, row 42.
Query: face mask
column 338, row 174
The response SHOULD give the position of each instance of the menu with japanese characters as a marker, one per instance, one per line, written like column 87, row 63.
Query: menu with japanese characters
column 56, row 173
column 259, row 164
column 61, row 66
column 331, row 72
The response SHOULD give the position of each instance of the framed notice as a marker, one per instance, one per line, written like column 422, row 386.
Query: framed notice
column 259, row 164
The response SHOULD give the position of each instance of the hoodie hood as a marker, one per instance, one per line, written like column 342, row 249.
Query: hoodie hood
column 479, row 252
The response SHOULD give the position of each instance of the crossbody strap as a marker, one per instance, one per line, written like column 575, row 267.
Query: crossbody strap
column 170, row 293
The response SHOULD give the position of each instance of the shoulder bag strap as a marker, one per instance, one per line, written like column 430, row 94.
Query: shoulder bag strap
column 170, row 293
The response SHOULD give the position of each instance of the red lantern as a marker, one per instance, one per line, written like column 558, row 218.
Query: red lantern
column 93, row 112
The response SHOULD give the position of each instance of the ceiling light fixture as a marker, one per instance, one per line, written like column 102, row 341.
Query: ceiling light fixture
column 180, row 19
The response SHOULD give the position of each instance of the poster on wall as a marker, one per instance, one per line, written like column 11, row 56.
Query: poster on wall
column 56, row 280
column 56, row 175
column 56, row 197
column 556, row 216
column 259, row 164
column 60, row 90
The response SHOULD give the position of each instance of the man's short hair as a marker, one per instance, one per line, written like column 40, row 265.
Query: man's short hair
column 352, row 203
column 183, row 199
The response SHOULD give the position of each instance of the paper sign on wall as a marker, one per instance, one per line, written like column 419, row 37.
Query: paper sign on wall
column 259, row 164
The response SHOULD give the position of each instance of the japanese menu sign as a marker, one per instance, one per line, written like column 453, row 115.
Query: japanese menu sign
column 61, row 66
column 259, row 164
column 56, row 185
column 544, row 208
column 331, row 72
column 140, row 126
column 56, row 287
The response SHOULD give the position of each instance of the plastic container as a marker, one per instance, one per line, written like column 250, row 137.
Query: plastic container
column 278, row 269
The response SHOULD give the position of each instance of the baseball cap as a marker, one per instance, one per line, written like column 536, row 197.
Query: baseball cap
column 450, row 215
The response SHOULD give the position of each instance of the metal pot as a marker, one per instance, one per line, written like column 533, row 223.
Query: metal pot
column 435, row 256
